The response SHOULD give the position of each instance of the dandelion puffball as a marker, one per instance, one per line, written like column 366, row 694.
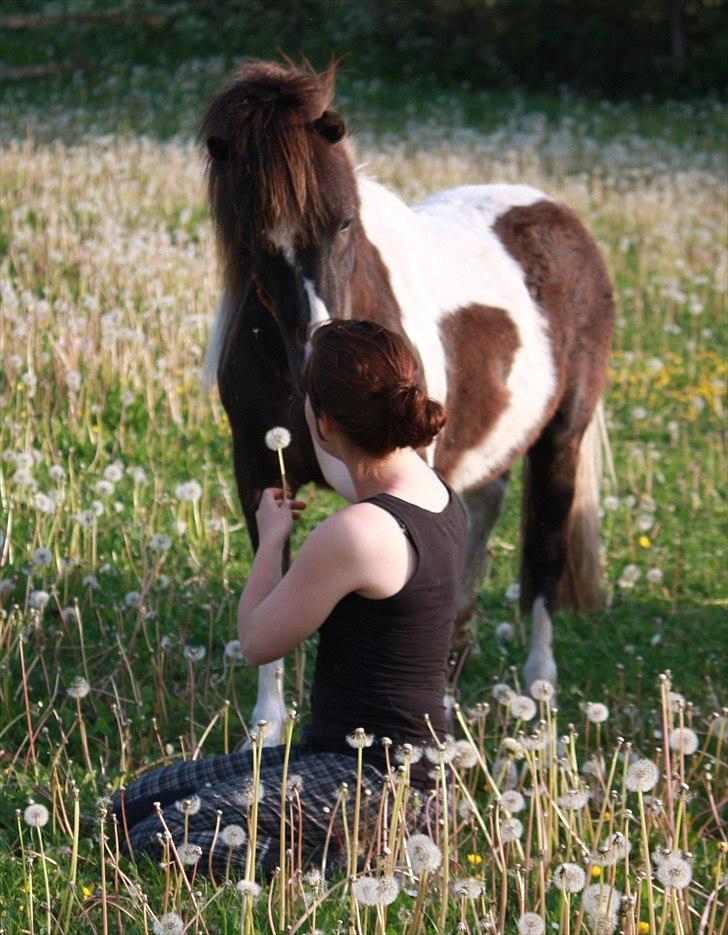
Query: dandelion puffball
column 248, row 888
column 425, row 856
column 597, row 712
column 531, row 924
column 570, row 878
column 277, row 438
column 168, row 924
column 684, row 740
column 233, row 835
column 674, row 872
column 642, row 776
column 36, row 815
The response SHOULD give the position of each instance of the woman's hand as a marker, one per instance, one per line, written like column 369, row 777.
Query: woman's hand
column 275, row 516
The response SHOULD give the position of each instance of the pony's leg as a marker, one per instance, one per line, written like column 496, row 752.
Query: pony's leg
column 561, row 456
column 483, row 507
column 269, row 705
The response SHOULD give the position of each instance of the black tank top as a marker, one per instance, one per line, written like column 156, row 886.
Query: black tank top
column 382, row 664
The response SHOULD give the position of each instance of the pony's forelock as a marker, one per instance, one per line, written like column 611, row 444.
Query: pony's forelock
column 264, row 176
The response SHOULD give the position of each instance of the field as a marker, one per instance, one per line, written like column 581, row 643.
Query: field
column 123, row 551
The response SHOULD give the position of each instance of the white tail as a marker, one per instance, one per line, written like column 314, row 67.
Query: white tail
column 218, row 331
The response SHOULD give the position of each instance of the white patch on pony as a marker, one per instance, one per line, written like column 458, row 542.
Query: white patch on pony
column 540, row 663
column 319, row 312
column 223, row 314
column 442, row 256
column 269, row 704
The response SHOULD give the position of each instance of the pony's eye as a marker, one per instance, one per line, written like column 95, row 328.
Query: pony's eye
column 345, row 225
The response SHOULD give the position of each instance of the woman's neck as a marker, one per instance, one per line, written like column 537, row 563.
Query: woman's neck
column 396, row 473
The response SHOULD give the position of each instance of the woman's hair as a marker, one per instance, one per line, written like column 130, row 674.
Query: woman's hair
column 366, row 379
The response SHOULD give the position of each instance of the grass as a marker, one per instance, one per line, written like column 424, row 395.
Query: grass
column 108, row 573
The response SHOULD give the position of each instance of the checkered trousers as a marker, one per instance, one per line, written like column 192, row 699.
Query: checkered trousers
column 218, row 790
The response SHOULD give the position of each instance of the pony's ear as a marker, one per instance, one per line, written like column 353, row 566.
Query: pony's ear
column 330, row 125
column 217, row 147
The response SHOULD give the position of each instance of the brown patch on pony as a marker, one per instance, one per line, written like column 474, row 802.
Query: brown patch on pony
column 480, row 342
column 568, row 280
column 566, row 277
column 275, row 164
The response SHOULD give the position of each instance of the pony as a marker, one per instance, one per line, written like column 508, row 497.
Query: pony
column 500, row 291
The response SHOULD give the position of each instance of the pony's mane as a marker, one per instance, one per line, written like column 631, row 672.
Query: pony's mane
column 269, row 172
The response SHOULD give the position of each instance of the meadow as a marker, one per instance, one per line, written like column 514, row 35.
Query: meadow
column 123, row 552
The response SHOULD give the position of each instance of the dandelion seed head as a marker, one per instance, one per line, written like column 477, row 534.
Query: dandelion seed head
column 542, row 690
column 597, row 712
column 511, row 830
column 38, row 599
column 246, row 795
column 132, row 599
column 160, row 542
column 654, row 575
column 573, row 800
column 114, row 472
column 503, row 693
column 630, row 576
column 614, row 849
column 445, row 752
column 570, row 878
column 194, row 653
column 611, row 503
column 313, row 877
column 36, row 815
column 78, row 688
column 294, row 786
column 233, row 835
column 359, row 739
column 189, row 806
column 189, row 854
column 531, row 923
column 504, row 632
column 642, row 776
column 683, row 739
column 675, row 872
column 523, row 707
column 42, row 556
column 189, row 492
column 43, row 503
column 91, row 582
column 104, row 488
column 249, row 889
column 425, row 856
column 277, row 438
column 466, row 756
column 468, row 888
column 57, row 472
column 233, row 651
column 408, row 752
column 168, row 924
column 601, row 899
column 513, row 592
column 512, row 801
column 364, row 889
column 505, row 772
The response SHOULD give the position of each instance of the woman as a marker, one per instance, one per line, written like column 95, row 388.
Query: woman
column 379, row 580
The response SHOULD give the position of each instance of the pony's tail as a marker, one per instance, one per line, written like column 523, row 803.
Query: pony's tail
column 581, row 586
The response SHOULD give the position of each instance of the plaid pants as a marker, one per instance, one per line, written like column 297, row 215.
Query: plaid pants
column 200, row 799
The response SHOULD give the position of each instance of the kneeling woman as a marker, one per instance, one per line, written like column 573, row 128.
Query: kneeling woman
column 379, row 580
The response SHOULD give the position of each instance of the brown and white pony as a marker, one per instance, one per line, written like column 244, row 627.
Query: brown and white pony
column 501, row 292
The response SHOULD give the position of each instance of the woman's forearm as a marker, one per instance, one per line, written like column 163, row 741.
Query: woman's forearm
column 264, row 576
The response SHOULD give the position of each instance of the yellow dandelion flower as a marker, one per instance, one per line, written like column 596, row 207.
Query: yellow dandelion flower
column 596, row 871
column 474, row 860
column 644, row 927
column 645, row 542
column 87, row 890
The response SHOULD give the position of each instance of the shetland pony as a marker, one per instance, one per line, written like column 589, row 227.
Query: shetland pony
column 500, row 291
